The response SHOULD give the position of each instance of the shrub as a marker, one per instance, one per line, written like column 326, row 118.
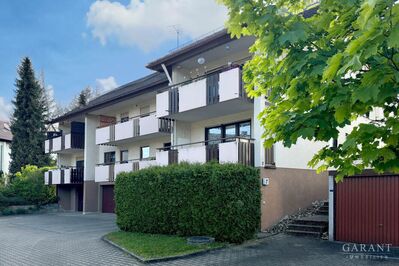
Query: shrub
column 21, row 211
column 7, row 212
column 28, row 188
column 219, row 200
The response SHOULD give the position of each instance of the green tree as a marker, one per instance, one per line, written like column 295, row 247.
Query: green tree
column 28, row 121
column 322, row 73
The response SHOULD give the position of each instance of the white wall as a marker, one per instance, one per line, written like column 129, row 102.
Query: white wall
column 298, row 155
column 5, row 156
column 69, row 159
column 133, row 148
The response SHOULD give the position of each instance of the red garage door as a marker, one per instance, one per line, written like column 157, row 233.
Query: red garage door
column 367, row 210
column 108, row 202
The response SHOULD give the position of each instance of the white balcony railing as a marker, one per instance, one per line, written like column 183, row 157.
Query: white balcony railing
column 57, row 144
column 220, row 86
column 67, row 175
column 231, row 150
column 103, row 135
column 134, row 127
column 64, row 142
column 108, row 173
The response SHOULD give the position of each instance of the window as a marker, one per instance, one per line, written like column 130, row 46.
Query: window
column 245, row 129
column 124, row 117
column 166, row 146
column 213, row 135
column 145, row 152
column 228, row 132
column 109, row 157
column 124, row 156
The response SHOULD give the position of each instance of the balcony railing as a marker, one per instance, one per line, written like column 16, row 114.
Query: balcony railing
column 64, row 142
column 134, row 127
column 219, row 86
column 108, row 172
column 269, row 158
column 227, row 150
column 67, row 175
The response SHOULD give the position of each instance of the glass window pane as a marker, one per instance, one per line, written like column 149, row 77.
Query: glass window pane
column 214, row 135
column 145, row 152
column 124, row 156
column 230, row 132
column 245, row 129
column 109, row 157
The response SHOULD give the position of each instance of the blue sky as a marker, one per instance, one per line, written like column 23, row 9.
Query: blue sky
column 79, row 43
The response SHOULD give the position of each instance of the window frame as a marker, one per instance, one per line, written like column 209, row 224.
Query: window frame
column 106, row 162
column 223, row 130
column 141, row 152
column 121, row 156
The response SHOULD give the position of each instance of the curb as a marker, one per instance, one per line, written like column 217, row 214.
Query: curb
column 169, row 258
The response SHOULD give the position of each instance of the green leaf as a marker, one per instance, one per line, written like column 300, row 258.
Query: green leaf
column 393, row 39
column 332, row 67
column 342, row 113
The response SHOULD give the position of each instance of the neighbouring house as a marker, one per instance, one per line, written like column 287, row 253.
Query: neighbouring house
column 194, row 108
column 5, row 141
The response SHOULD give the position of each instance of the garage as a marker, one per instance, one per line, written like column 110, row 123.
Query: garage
column 366, row 209
column 108, row 201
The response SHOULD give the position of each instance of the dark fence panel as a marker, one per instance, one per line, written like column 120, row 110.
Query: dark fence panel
column 174, row 101
column 212, row 152
column 212, row 89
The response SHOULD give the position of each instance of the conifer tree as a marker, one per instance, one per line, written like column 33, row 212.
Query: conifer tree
column 28, row 120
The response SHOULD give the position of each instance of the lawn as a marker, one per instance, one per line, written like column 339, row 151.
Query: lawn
column 151, row 246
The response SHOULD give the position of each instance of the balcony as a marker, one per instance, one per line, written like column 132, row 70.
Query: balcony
column 231, row 150
column 215, row 94
column 68, row 175
column 140, row 127
column 108, row 172
column 68, row 143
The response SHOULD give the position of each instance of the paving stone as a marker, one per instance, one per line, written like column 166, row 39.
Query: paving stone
column 75, row 239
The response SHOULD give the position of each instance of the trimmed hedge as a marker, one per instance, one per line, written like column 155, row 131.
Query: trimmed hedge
column 219, row 200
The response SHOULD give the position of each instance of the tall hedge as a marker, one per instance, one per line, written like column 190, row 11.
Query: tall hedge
column 219, row 200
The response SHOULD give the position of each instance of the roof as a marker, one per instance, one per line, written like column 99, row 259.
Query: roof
column 213, row 40
column 5, row 131
column 204, row 44
column 140, row 86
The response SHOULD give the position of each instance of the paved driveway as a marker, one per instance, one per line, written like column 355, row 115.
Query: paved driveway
column 75, row 239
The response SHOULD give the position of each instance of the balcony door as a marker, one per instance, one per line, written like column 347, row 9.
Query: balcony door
column 228, row 132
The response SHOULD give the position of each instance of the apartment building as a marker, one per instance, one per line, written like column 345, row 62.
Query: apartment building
column 194, row 108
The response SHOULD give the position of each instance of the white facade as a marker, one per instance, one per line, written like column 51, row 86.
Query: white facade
column 5, row 156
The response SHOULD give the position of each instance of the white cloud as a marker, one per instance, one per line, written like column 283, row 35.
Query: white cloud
column 148, row 23
column 105, row 84
column 5, row 109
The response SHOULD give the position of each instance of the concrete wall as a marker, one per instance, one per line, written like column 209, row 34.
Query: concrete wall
column 289, row 190
column 91, row 196
column 67, row 197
